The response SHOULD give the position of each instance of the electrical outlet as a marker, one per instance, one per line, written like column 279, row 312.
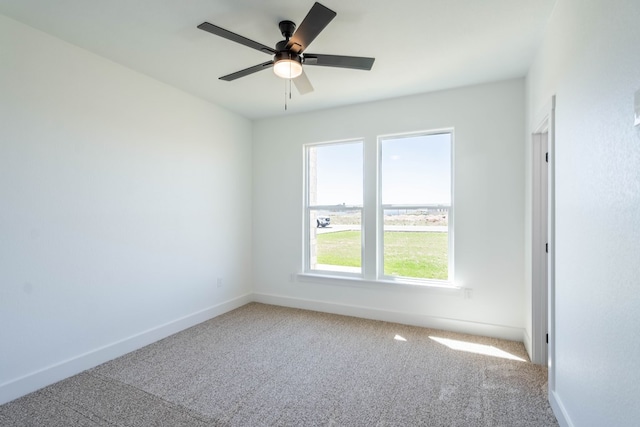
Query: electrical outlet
column 467, row 293
column 219, row 282
column 292, row 277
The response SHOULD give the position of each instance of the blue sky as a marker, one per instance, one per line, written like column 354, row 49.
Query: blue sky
column 415, row 170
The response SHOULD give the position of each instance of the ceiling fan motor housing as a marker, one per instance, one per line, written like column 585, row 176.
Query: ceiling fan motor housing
column 287, row 55
column 284, row 53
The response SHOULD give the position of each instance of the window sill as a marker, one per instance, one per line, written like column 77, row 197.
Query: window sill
column 357, row 281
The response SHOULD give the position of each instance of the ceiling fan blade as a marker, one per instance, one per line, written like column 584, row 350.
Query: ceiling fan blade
column 221, row 32
column 247, row 71
column 316, row 20
column 355, row 62
column 303, row 84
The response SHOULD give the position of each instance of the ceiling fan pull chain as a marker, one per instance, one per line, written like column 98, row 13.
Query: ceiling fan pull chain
column 285, row 96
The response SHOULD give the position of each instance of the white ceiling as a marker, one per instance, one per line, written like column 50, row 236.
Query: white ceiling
column 419, row 45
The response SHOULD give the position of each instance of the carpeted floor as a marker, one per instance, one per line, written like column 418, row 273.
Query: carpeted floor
column 263, row 365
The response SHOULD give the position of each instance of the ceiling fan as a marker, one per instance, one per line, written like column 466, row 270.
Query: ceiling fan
column 289, row 55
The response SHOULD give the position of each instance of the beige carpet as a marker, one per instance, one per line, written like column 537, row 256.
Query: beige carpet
column 263, row 365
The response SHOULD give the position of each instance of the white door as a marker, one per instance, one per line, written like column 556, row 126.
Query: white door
column 540, row 247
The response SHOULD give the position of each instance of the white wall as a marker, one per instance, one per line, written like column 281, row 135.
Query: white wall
column 489, row 122
column 591, row 60
column 122, row 201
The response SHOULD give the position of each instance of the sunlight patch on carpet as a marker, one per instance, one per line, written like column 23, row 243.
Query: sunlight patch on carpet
column 487, row 350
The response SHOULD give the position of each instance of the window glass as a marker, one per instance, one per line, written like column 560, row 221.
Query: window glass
column 334, row 188
column 337, row 174
column 416, row 243
column 416, row 170
column 336, row 240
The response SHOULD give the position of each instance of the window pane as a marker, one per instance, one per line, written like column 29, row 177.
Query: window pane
column 416, row 170
column 416, row 243
column 335, row 240
column 335, row 174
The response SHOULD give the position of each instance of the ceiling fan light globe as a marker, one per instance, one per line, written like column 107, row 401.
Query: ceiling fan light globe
column 287, row 68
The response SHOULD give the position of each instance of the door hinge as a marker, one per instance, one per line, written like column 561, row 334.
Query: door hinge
column 547, row 338
column 546, row 157
column 546, row 247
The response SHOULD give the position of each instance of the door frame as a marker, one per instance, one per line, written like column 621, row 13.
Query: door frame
column 543, row 303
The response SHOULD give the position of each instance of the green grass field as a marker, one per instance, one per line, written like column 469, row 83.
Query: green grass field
column 409, row 254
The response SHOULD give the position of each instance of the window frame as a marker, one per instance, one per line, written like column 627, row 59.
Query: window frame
column 308, row 208
column 380, row 275
column 372, row 217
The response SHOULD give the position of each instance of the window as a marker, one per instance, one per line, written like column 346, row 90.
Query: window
column 405, row 206
column 415, row 177
column 334, row 207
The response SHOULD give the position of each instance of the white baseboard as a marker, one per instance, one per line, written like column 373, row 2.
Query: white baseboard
column 463, row 326
column 559, row 410
column 15, row 388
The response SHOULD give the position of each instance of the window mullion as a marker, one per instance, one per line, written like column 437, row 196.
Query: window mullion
column 370, row 212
